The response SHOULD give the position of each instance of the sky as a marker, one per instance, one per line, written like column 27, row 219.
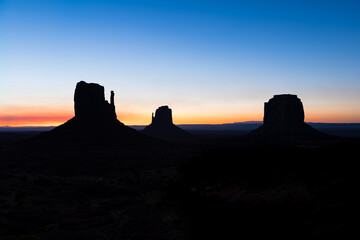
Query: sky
column 210, row 61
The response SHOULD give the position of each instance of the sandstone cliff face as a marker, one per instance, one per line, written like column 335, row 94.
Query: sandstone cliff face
column 283, row 109
column 90, row 103
column 284, row 122
column 162, row 126
column 163, row 116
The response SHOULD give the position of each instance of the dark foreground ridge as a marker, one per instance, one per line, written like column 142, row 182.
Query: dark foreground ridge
column 284, row 122
column 84, row 189
column 95, row 121
column 162, row 126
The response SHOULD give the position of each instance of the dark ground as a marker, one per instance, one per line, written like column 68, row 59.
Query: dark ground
column 203, row 190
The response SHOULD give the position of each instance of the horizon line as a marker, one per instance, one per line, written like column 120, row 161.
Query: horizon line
column 54, row 126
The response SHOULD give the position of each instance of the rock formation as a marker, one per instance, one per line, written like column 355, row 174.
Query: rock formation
column 95, row 121
column 284, row 121
column 283, row 109
column 163, row 116
column 162, row 126
column 90, row 103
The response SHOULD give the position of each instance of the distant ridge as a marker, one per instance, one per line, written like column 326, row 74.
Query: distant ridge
column 214, row 127
column 337, row 129
column 26, row 129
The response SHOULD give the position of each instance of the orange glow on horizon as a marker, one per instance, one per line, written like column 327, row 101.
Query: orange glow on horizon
column 16, row 116
column 215, row 119
column 33, row 120
column 55, row 119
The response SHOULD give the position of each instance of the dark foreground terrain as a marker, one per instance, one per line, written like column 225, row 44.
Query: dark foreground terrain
column 175, row 191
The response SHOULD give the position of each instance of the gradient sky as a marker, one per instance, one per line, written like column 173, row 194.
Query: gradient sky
column 210, row 61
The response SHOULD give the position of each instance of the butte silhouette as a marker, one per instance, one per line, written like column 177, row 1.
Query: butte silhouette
column 95, row 121
column 162, row 126
column 284, row 121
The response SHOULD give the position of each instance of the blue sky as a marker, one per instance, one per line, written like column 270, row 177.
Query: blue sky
column 211, row 61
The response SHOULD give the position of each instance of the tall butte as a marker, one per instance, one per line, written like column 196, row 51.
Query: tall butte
column 90, row 103
column 284, row 110
column 162, row 126
column 284, row 120
column 95, row 121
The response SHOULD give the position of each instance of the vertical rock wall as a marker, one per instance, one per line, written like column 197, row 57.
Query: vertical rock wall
column 283, row 109
column 163, row 116
column 90, row 102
